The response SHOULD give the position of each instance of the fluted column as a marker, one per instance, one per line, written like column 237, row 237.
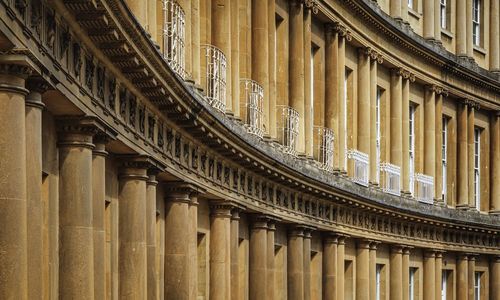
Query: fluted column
column 471, row 269
column 98, row 207
column 461, row 43
column 140, row 10
column 363, row 270
column 258, row 258
column 429, row 131
column 33, row 112
column 307, row 264
column 308, row 86
column 295, row 263
column 462, row 277
column 373, row 271
column 470, row 153
column 193, row 244
column 340, row 267
column 429, row 19
column 396, row 118
column 235, row 281
column 495, row 164
column 330, row 266
column 405, row 273
column 152, row 277
column 364, row 102
column 429, row 274
column 270, row 276
column 438, row 150
column 462, row 174
column 220, row 232
column 495, row 277
column 494, row 33
column 271, row 16
column 396, row 288
column 439, row 275
column 331, row 87
column 132, row 229
column 221, row 38
column 260, row 53
column 13, row 207
column 405, row 167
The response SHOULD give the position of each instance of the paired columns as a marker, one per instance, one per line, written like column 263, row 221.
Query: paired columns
column 464, row 43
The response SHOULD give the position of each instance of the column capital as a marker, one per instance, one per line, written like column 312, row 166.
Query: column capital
column 439, row 90
column 430, row 253
column 406, row 74
column 363, row 243
column 221, row 209
column 372, row 53
column 36, row 86
column 77, row 131
column 340, row 29
column 471, row 103
column 259, row 221
column 312, row 5
column 15, row 69
column 152, row 179
column 374, row 245
column 181, row 191
column 495, row 259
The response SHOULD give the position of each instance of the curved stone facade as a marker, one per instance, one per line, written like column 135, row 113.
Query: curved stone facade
column 250, row 149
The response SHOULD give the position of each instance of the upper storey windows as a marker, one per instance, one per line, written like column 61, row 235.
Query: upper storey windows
column 444, row 14
column 476, row 22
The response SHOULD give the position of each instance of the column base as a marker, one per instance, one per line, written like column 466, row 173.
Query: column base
column 494, row 212
column 462, row 207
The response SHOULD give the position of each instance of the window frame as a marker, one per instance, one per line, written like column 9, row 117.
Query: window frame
column 378, row 138
column 443, row 17
column 476, row 22
column 411, row 283
column 477, row 168
column 411, row 164
column 477, row 285
column 444, row 158
column 378, row 275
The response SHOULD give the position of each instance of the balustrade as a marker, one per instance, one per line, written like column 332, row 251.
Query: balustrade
column 390, row 178
column 424, row 188
column 288, row 128
column 323, row 147
column 214, row 81
column 174, row 36
column 252, row 96
column 358, row 162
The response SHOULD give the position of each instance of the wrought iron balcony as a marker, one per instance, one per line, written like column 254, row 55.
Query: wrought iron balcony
column 390, row 176
column 252, row 95
column 358, row 162
column 174, row 36
column 424, row 188
column 214, row 81
column 288, row 128
column 323, row 147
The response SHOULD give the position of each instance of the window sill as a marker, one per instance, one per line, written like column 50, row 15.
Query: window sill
column 479, row 49
column 447, row 33
column 413, row 13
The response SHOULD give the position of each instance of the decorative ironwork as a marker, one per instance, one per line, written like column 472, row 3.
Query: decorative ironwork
column 215, row 79
column 359, row 163
column 174, row 36
column 288, row 128
column 252, row 94
column 323, row 147
column 390, row 178
column 424, row 188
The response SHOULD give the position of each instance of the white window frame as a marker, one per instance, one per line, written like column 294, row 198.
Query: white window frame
column 476, row 22
column 378, row 133
column 444, row 157
column 410, row 4
column 346, row 78
column 477, row 168
column 442, row 14
column 477, row 286
column 411, row 282
column 378, row 274
column 444, row 284
column 411, row 165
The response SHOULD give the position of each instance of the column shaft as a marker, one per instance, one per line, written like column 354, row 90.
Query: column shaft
column 220, row 232
column 406, row 273
column 307, row 265
column 221, row 38
column 13, row 210
column 461, row 43
column 342, row 105
column 438, row 178
column 271, row 15
column 308, row 86
column 331, row 88
column 195, row 40
column 470, row 155
column 140, row 11
column 340, row 267
column 495, row 277
column 132, row 232
column 260, row 53
column 270, row 277
column 363, row 270
column 462, row 277
column 152, row 22
column 373, row 271
column 193, row 247
column 494, row 33
column 396, row 120
column 429, row 275
column 152, row 271
column 405, row 168
column 258, row 259
column 186, row 6
column 395, row 8
column 295, row 264
column 429, row 132
column 471, row 269
column 429, row 19
column 373, row 117
column 235, row 281
column 396, row 289
column 439, row 275
column 329, row 267
column 437, row 21
column 364, row 102
column 462, row 174
column 235, row 58
column 495, row 164
column 468, row 23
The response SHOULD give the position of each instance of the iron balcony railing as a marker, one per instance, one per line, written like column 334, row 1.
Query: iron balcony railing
column 358, row 162
column 323, row 147
column 174, row 26
column 288, row 128
column 214, row 80
column 252, row 95
column 424, row 188
column 390, row 176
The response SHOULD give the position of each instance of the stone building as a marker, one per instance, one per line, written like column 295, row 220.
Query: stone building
column 250, row 149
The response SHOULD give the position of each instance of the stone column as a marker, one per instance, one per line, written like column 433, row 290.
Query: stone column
column 152, row 278
column 375, row 58
column 462, row 277
column 193, row 245
column 495, row 164
column 177, row 245
column 132, row 229
column 396, row 288
column 76, row 252
column 439, row 275
column 462, row 174
column 140, row 10
column 295, row 263
column 307, row 264
column 270, row 277
column 437, row 22
column 13, row 207
column 470, row 153
column 235, row 281
column 405, row 167
column 260, row 53
column 461, row 43
column 404, row 12
column 438, row 150
column 152, row 22
column 296, row 67
column 329, row 267
column 396, row 118
column 33, row 119
column 471, row 268
column 429, row 131
column 363, row 270
column 429, row 274
column 395, row 8
column 221, row 38
column 186, row 7
column 468, row 25
column 258, row 258
column 429, row 19
column 342, row 35
column 331, row 87
column 495, row 277
column 364, row 102
column 308, row 86
column 235, row 59
column 220, row 232
column 195, row 40
column 340, row 267
column 373, row 271
column 98, row 217
column 494, row 33
column 405, row 273
column 271, row 16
